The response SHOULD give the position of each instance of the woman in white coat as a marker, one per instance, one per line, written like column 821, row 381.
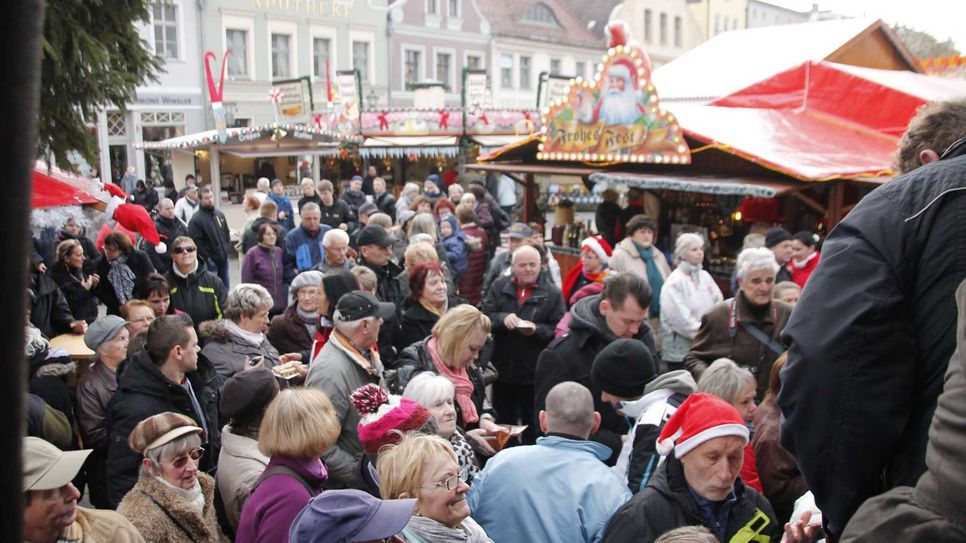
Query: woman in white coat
column 688, row 293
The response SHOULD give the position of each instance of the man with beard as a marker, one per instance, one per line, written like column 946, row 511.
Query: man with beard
column 620, row 105
column 169, row 228
column 209, row 229
column 620, row 311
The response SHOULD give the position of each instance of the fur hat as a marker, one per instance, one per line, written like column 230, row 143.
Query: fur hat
column 385, row 417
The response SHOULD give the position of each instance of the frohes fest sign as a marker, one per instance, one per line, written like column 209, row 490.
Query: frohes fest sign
column 614, row 118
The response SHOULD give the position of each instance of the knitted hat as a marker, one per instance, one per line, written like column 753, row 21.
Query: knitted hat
column 136, row 219
column 599, row 246
column 776, row 235
column 700, row 418
column 159, row 429
column 623, row 368
column 311, row 278
column 246, row 394
column 385, row 416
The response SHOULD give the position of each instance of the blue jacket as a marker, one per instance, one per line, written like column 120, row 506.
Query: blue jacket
column 558, row 490
column 284, row 206
column 455, row 245
column 302, row 252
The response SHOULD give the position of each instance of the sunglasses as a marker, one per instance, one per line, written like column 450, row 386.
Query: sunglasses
column 187, row 249
column 194, row 455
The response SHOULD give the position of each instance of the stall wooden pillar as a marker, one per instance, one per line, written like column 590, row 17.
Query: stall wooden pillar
column 530, row 211
column 836, row 203
column 214, row 163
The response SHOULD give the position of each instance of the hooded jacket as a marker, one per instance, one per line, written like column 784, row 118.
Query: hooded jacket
column 666, row 503
column 865, row 368
column 515, row 354
column 570, row 358
column 639, row 459
column 143, row 391
column 209, row 229
column 456, row 247
column 200, row 294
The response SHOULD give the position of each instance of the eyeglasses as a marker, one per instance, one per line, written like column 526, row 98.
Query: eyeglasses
column 185, row 249
column 452, row 482
column 194, row 455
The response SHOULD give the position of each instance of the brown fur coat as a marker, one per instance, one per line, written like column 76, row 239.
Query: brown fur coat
column 156, row 525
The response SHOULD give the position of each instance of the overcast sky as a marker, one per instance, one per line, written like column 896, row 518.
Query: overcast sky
column 941, row 18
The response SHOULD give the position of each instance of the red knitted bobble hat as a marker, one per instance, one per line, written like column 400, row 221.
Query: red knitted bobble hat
column 700, row 418
column 385, row 417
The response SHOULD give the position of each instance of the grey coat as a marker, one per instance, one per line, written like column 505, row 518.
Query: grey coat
column 228, row 354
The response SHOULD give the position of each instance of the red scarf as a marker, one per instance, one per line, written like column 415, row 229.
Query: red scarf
column 571, row 279
column 461, row 381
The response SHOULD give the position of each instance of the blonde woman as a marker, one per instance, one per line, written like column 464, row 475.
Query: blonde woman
column 452, row 350
column 426, row 468
column 299, row 425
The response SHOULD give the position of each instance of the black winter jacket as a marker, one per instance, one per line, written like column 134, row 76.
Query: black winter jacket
column 143, row 391
column 49, row 310
column 336, row 214
column 250, row 236
column 200, row 294
column 140, row 266
column 387, row 289
column 570, row 357
column 387, row 204
column 871, row 338
column 90, row 250
column 416, row 359
column 666, row 503
column 82, row 302
column 514, row 354
column 209, row 229
column 169, row 230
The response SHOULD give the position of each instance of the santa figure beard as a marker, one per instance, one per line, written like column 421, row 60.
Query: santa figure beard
column 619, row 107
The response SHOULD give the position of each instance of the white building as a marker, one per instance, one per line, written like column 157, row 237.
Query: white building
column 665, row 28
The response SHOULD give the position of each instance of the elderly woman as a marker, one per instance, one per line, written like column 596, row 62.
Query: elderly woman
column 426, row 468
column 239, row 340
column 108, row 337
column 262, row 265
column 409, row 191
column 436, row 393
column 173, row 500
column 451, row 350
column 428, row 301
column 244, row 399
column 293, row 330
column 76, row 284
column 636, row 253
column 299, row 425
column 745, row 328
column 781, row 480
column 788, row 292
column 737, row 386
column 688, row 294
column 593, row 266
column 119, row 270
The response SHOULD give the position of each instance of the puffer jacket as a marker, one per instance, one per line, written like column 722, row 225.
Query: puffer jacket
column 163, row 516
column 667, row 504
column 861, row 363
column 143, row 391
column 302, row 251
column 515, row 354
column 455, row 247
column 228, row 354
column 263, row 266
column 932, row 510
column 200, row 294
column 569, row 358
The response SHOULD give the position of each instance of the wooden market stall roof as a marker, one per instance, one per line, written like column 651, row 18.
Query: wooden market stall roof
column 277, row 139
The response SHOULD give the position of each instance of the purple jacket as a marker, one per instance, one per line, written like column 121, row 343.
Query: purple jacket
column 265, row 268
column 272, row 507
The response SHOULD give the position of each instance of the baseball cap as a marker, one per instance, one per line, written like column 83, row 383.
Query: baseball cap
column 518, row 230
column 374, row 235
column 103, row 329
column 336, row 516
column 360, row 304
column 46, row 467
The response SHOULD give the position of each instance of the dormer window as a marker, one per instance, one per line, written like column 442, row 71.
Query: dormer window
column 541, row 14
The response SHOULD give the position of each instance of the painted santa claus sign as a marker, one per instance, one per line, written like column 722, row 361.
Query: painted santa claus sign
column 616, row 117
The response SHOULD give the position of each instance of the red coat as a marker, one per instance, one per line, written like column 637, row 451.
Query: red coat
column 471, row 282
column 749, row 469
column 801, row 275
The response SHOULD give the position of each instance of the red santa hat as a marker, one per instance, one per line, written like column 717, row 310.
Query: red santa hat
column 619, row 33
column 599, row 246
column 700, row 418
column 115, row 190
column 385, row 417
column 136, row 219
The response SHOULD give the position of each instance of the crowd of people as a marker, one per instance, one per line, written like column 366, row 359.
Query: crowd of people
column 386, row 370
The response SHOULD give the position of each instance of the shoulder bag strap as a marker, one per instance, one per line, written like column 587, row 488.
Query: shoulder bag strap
column 284, row 470
column 761, row 336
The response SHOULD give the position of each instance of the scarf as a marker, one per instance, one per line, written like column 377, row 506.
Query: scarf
column 464, row 452
column 800, row 264
column 252, row 338
column 654, row 277
column 306, row 319
column 423, row 529
column 194, row 496
column 460, row 379
column 122, row 279
column 433, row 309
column 691, row 270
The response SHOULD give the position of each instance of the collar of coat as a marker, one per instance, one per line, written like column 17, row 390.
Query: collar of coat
column 175, row 505
column 341, row 342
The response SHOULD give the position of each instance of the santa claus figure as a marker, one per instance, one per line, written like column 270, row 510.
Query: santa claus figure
column 620, row 103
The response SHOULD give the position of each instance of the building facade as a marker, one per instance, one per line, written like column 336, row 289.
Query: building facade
column 665, row 28
column 173, row 106
column 716, row 16
column 434, row 40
